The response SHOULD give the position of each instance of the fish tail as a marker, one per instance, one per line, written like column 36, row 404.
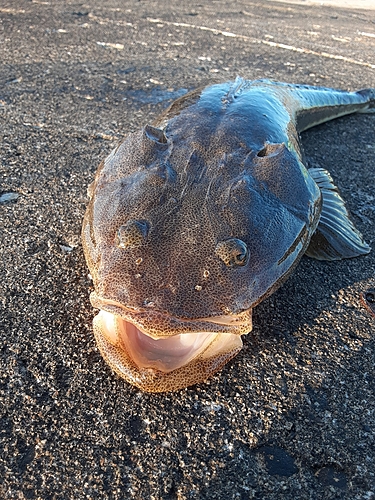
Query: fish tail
column 318, row 106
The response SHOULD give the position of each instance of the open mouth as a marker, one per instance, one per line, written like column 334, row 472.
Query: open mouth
column 164, row 354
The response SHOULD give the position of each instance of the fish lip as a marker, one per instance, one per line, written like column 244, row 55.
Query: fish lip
column 157, row 324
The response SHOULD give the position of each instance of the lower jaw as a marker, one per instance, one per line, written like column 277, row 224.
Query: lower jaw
column 162, row 365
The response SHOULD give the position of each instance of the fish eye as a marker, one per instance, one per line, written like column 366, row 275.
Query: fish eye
column 233, row 252
column 132, row 234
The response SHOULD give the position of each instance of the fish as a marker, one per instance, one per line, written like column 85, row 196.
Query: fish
column 199, row 216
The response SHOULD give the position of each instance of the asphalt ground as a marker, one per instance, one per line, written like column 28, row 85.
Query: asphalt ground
column 293, row 415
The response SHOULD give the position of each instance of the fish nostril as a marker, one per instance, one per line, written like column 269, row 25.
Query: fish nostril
column 132, row 234
column 233, row 252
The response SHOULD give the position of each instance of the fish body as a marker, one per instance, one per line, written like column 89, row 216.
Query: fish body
column 195, row 219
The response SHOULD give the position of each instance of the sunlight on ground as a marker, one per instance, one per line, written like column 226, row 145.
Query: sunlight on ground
column 348, row 4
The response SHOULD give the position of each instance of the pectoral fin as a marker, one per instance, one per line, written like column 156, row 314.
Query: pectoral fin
column 335, row 237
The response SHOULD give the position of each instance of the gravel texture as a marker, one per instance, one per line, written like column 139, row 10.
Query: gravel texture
column 293, row 415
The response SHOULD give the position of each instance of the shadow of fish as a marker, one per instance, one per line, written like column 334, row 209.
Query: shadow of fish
column 195, row 219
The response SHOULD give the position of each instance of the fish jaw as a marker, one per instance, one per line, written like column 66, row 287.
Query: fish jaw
column 163, row 364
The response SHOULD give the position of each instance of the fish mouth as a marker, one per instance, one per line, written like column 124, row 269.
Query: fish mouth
column 183, row 356
column 165, row 354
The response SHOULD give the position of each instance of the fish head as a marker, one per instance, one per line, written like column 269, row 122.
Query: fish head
column 183, row 239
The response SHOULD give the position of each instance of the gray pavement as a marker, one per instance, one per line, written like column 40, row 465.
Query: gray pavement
column 292, row 416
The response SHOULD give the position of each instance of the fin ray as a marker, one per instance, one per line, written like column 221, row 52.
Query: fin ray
column 335, row 237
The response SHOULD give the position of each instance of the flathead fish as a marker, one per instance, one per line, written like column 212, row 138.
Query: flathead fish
column 199, row 216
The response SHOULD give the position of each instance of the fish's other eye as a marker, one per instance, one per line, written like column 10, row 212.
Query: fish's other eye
column 270, row 150
column 132, row 234
column 233, row 252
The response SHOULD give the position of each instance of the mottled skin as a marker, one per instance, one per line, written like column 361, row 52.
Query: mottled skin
column 196, row 219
